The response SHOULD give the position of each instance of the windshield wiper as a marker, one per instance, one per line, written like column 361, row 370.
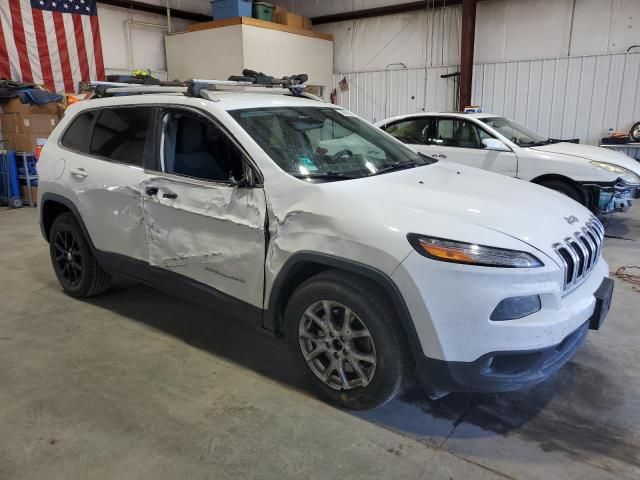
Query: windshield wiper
column 396, row 166
column 548, row 141
column 327, row 175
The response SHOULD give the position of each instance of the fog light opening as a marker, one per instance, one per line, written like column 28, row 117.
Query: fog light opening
column 513, row 308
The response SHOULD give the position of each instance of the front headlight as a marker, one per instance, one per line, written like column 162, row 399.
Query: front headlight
column 471, row 253
column 624, row 173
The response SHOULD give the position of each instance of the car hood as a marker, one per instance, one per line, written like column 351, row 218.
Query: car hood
column 589, row 152
column 446, row 199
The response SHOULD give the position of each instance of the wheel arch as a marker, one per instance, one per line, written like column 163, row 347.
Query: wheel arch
column 53, row 205
column 541, row 179
column 304, row 265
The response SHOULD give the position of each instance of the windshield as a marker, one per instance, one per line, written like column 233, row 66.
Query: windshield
column 326, row 143
column 518, row 134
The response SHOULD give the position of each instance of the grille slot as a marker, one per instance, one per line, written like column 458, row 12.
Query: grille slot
column 581, row 252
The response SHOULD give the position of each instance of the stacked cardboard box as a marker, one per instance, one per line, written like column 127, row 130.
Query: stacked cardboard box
column 285, row 17
column 27, row 126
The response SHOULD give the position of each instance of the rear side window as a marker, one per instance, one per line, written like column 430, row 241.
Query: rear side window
column 75, row 137
column 413, row 131
column 120, row 134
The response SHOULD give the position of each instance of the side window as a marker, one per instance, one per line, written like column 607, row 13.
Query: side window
column 414, row 131
column 75, row 137
column 120, row 134
column 457, row 132
column 195, row 147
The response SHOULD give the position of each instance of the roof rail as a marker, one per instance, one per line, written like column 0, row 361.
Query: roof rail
column 190, row 88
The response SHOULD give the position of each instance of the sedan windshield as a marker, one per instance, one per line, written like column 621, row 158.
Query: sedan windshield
column 325, row 143
column 518, row 134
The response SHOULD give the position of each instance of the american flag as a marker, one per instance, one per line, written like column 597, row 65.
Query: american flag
column 50, row 42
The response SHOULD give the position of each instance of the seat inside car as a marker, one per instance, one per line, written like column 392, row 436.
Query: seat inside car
column 465, row 136
column 187, row 152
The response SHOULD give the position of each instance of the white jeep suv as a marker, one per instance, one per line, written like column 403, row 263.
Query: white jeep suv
column 602, row 180
column 370, row 265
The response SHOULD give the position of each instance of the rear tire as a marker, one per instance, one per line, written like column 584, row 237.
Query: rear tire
column 357, row 364
column 73, row 262
column 566, row 189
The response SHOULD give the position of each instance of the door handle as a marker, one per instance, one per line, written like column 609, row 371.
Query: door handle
column 79, row 172
column 440, row 155
column 170, row 195
column 151, row 190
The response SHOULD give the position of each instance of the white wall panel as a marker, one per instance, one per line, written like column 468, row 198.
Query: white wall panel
column 509, row 30
column 147, row 43
column 376, row 95
column 570, row 97
column 316, row 8
column 506, row 30
column 196, row 6
column 422, row 38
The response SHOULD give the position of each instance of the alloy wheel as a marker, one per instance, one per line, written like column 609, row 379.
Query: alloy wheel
column 337, row 345
column 68, row 256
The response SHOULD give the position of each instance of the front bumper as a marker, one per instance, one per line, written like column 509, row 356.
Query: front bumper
column 614, row 197
column 499, row 371
column 451, row 304
column 507, row 370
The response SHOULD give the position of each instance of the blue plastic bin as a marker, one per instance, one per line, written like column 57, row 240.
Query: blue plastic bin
column 231, row 8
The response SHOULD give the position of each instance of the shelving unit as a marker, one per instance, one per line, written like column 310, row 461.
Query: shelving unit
column 31, row 180
column 621, row 145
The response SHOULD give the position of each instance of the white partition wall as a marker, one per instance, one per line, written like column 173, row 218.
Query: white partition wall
column 217, row 53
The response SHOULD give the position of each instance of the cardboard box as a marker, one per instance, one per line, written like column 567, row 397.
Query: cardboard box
column 290, row 19
column 25, row 142
column 278, row 13
column 306, row 23
column 16, row 106
column 24, row 191
column 28, row 123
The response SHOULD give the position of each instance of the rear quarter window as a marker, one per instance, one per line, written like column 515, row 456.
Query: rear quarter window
column 76, row 135
column 120, row 134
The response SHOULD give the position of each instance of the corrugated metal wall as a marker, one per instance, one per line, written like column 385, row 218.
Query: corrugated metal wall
column 381, row 94
column 569, row 97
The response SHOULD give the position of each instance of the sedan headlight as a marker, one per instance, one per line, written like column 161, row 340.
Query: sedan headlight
column 624, row 173
column 471, row 253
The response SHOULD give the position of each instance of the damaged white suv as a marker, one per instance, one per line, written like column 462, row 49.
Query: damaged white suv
column 371, row 265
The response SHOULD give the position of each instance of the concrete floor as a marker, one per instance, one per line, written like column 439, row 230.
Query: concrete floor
column 136, row 384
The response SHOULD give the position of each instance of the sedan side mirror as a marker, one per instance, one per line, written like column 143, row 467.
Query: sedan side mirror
column 495, row 145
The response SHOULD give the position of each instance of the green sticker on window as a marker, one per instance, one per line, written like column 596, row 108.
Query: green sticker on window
column 307, row 163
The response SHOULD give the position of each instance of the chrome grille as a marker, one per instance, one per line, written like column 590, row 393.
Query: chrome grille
column 580, row 252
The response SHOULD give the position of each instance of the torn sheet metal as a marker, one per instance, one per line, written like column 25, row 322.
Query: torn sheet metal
column 322, row 218
column 213, row 234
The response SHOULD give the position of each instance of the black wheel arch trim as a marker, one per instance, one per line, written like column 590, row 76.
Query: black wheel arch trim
column 584, row 191
column 54, row 197
column 273, row 316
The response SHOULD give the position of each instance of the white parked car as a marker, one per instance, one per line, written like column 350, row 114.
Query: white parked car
column 602, row 180
column 369, row 265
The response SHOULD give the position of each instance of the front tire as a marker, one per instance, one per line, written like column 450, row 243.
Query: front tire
column 346, row 340
column 566, row 189
column 73, row 262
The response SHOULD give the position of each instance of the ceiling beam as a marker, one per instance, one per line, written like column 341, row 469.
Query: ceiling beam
column 157, row 9
column 381, row 11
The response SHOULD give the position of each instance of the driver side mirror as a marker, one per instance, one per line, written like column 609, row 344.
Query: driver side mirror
column 495, row 145
column 248, row 177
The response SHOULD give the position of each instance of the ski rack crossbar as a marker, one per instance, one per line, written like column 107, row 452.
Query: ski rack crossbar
column 191, row 88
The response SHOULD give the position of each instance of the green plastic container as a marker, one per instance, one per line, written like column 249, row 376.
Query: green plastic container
column 263, row 11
